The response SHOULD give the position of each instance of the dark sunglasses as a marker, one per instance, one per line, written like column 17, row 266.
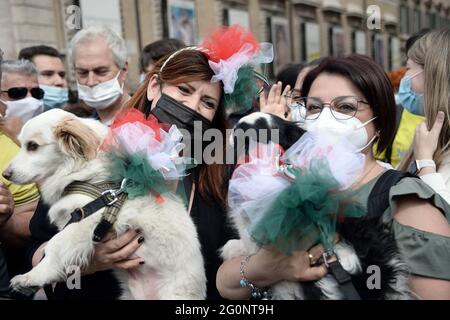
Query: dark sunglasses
column 18, row 93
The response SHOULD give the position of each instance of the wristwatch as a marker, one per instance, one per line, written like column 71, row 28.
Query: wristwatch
column 424, row 164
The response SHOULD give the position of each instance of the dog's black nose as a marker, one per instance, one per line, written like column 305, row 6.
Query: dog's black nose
column 7, row 174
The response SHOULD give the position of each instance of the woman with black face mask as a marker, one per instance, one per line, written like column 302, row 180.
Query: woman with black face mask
column 185, row 91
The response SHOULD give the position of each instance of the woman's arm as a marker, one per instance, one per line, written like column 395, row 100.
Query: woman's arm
column 265, row 268
column 425, row 145
column 421, row 215
column 435, row 180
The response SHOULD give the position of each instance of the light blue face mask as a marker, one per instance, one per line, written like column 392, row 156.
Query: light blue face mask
column 142, row 78
column 410, row 100
column 54, row 97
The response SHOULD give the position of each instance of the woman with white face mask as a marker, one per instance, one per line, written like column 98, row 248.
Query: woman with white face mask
column 351, row 99
column 426, row 91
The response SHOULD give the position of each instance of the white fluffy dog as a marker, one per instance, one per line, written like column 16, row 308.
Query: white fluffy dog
column 58, row 149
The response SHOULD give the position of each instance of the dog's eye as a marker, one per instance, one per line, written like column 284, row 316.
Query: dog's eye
column 32, row 146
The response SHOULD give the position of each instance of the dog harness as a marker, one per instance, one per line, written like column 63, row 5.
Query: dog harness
column 342, row 277
column 108, row 195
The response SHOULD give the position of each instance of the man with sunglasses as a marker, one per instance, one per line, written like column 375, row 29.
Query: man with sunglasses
column 20, row 97
column 17, row 203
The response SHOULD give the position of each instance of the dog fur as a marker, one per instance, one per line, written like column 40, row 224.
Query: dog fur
column 363, row 242
column 58, row 149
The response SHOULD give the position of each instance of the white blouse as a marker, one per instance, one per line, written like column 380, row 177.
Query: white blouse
column 440, row 181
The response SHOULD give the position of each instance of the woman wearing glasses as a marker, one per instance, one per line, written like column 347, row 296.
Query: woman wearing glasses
column 20, row 96
column 351, row 98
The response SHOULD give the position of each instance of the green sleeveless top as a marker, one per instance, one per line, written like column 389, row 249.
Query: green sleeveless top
column 426, row 254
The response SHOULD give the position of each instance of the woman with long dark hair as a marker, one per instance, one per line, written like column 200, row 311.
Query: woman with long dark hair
column 184, row 90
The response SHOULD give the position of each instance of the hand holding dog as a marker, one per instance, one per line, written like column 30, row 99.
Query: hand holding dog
column 116, row 253
column 295, row 267
column 6, row 204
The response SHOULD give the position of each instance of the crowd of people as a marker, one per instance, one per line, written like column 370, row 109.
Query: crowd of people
column 402, row 124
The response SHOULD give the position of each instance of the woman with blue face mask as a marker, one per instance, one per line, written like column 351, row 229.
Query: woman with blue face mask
column 410, row 93
column 426, row 91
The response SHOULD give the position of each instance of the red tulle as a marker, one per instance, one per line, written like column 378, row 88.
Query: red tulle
column 226, row 41
column 132, row 116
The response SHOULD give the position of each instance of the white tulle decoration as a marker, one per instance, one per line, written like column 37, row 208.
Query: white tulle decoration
column 163, row 155
column 256, row 184
column 344, row 161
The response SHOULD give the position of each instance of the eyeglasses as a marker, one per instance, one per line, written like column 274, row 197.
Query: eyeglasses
column 294, row 94
column 342, row 108
column 18, row 93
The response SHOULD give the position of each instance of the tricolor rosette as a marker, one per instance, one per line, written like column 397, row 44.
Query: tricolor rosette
column 294, row 201
column 144, row 154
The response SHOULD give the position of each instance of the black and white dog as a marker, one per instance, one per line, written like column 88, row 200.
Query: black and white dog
column 364, row 241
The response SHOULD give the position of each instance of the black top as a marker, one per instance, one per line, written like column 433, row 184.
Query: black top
column 101, row 285
column 4, row 278
column 213, row 232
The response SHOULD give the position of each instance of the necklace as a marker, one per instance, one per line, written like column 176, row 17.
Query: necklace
column 360, row 179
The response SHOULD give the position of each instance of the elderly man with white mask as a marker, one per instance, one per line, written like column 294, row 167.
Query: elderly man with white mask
column 100, row 60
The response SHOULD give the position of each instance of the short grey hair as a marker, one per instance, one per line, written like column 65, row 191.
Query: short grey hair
column 115, row 42
column 24, row 67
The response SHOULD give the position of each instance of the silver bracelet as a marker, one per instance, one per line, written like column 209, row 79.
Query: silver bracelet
column 256, row 292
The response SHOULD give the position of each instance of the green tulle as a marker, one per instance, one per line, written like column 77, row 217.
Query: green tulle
column 141, row 177
column 245, row 90
column 305, row 213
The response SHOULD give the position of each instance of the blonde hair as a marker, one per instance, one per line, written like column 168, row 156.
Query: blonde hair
column 432, row 52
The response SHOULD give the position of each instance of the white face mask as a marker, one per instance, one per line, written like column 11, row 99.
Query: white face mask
column 352, row 129
column 25, row 109
column 103, row 95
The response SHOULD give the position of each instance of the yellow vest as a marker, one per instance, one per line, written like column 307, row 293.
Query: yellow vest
column 404, row 137
column 22, row 194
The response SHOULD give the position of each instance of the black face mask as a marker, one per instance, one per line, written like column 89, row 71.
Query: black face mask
column 170, row 111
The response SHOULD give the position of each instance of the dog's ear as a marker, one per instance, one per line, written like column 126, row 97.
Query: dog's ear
column 76, row 139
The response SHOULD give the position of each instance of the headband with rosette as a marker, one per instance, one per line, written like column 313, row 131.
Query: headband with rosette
column 233, row 53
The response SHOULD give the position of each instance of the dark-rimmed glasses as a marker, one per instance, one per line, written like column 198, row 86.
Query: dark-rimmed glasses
column 18, row 93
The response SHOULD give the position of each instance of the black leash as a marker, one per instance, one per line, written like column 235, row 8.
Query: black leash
column 342, row 277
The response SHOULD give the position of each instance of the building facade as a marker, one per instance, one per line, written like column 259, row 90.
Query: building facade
column 299, row 29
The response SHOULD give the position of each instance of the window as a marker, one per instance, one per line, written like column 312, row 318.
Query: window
column 102, row 12
column 404, row 19
column 310, row 33
column 359, row 42
column 416, row 23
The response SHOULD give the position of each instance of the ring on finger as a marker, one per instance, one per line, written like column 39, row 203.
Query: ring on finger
column 312, row 261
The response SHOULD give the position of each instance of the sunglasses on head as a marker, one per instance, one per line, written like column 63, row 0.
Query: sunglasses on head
column 18, row 93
